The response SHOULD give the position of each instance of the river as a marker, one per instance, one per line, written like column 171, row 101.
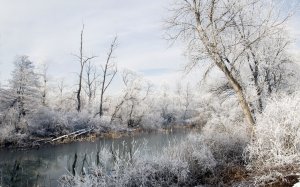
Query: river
column 44, row 166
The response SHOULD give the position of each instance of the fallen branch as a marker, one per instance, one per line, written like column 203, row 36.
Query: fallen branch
column 83, row 132
column 76, row 133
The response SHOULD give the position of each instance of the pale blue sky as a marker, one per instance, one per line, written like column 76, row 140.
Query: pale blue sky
column 48, row 31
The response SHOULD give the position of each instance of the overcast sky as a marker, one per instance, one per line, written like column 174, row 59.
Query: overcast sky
column 49, row 32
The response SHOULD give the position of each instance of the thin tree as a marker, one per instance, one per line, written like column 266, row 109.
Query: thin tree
column 109, row 71
column 44, row 84
column 90, row 80
column 61, row 88
column 187, row 100
column 82, row 60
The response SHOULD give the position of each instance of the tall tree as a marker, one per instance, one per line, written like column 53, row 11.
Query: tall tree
column 82, row 60
column 109, row 70
column 211, row 29
column 23, row 94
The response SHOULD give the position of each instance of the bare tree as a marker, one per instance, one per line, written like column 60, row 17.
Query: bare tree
column 135, row 92
column 165, row 102
column 138, row 91
column 82, row 60
column 90, row 81
column 126, row 95
column 109, row 71
column 44, row 84
column 61, row 87
column 187, row 100
column 211, row 29
column 184, row 99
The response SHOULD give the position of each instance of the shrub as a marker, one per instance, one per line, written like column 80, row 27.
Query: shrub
column 184, row 165
column 152, row 120
column 78, row 121
column 7, row 132
column 226, row 137
column 276, row 146
column 46, row 122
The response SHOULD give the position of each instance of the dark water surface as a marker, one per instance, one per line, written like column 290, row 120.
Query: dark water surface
column 44, row 166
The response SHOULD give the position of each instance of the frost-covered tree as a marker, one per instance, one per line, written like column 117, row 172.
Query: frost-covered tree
column 132, row 106
column 223, row 33
column 185, row 99
column 23, row 93
column 270, row 67
column 166, row 104
column 63, row 96
column 44, row 86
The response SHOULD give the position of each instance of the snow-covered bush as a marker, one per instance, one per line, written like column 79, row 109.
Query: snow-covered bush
column 186, row 164
column 11, row 126
column 276, row 144
column 226, row 137
column 7, row 127
column 198, row 157
column 226, row 132
column 100, row 124
column 47, row 122
column 9, row 120
column 13, row 130
column 152, row 120
column 78, row 121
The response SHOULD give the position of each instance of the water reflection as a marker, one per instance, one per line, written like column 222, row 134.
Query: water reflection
column 44, row 166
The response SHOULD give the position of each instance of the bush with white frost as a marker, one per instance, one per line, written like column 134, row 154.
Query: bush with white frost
column 276, row 145
column 187, row 164
column 47, row 122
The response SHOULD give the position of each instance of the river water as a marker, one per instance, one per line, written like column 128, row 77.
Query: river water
column 44, row 166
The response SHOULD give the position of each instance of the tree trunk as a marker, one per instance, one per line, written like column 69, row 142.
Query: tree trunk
column 101, row 105
column 79, row 91
column 239, row 91
column 102, row 92
column 81, row 71
column 255, row 73
column 108, row 75
column 212, row 50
